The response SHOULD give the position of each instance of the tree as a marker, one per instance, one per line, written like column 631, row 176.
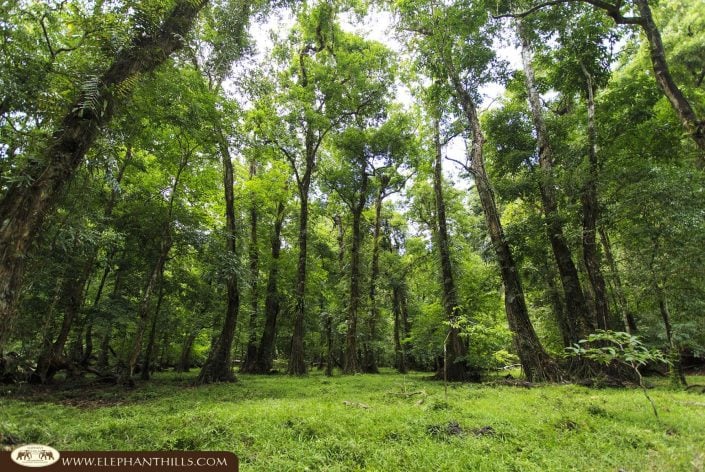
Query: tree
column 686, row 113
column 331, row 78
column 579, row 319
column 24, row 208
column 439, row 47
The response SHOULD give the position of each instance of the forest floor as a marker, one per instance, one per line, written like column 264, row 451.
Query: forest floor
column 382, row 422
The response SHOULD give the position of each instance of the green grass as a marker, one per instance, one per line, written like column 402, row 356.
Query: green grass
column 279, row 423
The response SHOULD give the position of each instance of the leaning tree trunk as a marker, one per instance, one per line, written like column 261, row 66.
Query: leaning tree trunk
column 455, row 366
column 249, row 364
column 537, row 364
column 217, row 367
column 689, row 119
column 265, row 352
column 24, row 207
column 590, row 215
column 578, row 312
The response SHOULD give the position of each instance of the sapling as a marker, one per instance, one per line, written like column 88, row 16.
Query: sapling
column 607, row 347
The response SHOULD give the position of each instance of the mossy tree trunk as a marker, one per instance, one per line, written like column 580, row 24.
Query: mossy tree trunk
column 24, row 207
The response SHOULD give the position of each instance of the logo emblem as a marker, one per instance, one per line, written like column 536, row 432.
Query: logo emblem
column 35, row 455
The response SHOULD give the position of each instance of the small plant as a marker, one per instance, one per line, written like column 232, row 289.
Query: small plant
column 607, row 347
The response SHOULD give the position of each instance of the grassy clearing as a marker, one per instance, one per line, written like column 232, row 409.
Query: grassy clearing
column 374, row 422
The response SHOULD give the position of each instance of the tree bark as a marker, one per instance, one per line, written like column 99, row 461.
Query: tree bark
column 23, row 209
column 217, row 367
column 578, row 312
column 265, row 352
column 537, row 364
column 591, row 214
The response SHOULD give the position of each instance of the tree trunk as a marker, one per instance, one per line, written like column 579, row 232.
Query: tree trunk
column 351, row 366
column 72, row 295
column 675, row 355
column 249, row 364
column 155, row 277
column 627, row 316
column 265, row 352
column 184, row 364
column 399, row 351
column 104, row 357
column 455, row 366
column 217, row 367
column 88, row 352
column 537, row 364
column 565, row 328
column 297, row 364
column 370, row 363
column 590, row 216
column 24, row 207
column 692, row 124
column 110, row 205
column 148, row 353
column 578, row 312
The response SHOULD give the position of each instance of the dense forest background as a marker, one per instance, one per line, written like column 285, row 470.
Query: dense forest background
column 174, row 194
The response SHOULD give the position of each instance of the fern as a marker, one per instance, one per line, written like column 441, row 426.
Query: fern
column 125, row 88
column 90, row 96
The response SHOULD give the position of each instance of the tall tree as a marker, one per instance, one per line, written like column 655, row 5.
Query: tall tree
column 331, row 78
column 455, row 362
column 622, row 14
column 24, row 208
column 217, row 367
column 579, row 318
column 444, row 38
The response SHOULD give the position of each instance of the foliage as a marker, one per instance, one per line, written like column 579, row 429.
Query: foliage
column 609, row 347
